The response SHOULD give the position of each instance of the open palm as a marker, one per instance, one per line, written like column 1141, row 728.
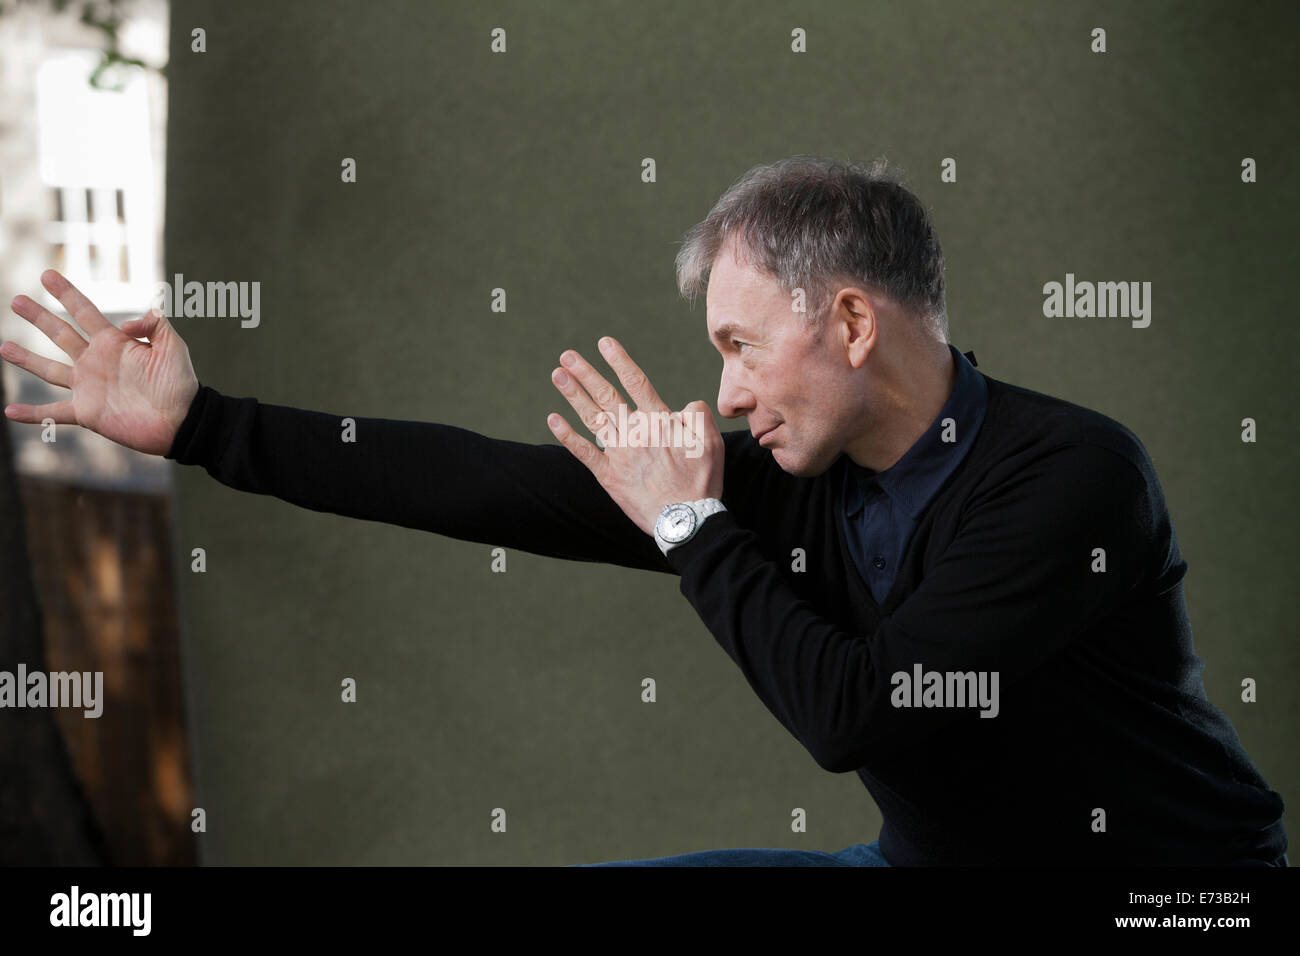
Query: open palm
column 131, row 392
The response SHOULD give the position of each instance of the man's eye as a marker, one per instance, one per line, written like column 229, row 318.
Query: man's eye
column 740, row 345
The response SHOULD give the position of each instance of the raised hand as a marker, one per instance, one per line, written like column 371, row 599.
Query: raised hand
column 131, row 392
column 684, row 464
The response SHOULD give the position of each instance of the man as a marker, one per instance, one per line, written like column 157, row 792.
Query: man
column 966, row 592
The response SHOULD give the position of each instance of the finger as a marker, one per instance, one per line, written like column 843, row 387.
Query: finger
column 61, row 412
column 63, row 335
column 629, row 373
column 79, row 307
column 605, row 395
column 583, row 450
column 597, row 421
column 46, row 369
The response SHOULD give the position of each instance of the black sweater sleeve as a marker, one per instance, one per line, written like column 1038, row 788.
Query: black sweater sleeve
column 422, row 475
column 1013, row 589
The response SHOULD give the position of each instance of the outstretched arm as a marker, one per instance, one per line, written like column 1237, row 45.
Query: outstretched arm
column 145, row 395
column 582, row 503
column 423, row 475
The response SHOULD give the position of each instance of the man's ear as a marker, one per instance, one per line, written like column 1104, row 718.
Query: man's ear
column 854, row 318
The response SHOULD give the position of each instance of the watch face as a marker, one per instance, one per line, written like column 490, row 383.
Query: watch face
column 677, row 523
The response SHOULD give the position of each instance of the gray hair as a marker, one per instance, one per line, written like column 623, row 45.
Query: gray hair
column 811, row 223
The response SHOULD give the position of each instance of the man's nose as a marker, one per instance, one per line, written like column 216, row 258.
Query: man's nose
column 732, row 401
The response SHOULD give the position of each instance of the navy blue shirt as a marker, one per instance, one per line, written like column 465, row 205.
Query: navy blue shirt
column 881, row 509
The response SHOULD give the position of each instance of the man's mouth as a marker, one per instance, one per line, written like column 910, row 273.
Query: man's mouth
column 763, row 434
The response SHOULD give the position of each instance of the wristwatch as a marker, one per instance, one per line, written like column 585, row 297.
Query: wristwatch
column 678, row 523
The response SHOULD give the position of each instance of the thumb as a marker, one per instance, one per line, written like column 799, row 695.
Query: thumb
column 698, row 416
column 152, row 326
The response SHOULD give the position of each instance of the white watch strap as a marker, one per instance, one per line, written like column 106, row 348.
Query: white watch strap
column 708, row 506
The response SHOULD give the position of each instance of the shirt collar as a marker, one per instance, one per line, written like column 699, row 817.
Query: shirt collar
column 915, row 478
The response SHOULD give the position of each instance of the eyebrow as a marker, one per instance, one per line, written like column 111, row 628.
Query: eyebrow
column 725, row 331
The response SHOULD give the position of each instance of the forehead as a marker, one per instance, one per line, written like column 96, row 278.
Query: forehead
column 739, row 296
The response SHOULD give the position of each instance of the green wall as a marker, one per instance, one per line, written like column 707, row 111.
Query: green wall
column 479, row 170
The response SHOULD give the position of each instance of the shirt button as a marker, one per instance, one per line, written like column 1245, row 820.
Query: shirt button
column 879, row 562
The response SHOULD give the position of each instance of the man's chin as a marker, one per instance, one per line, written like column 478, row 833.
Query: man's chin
column 790, row 464
column 796, row 465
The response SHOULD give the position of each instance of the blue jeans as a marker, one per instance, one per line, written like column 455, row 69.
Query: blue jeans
column 859, row 854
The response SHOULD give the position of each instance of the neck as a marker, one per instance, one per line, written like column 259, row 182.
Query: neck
column 910, row 392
